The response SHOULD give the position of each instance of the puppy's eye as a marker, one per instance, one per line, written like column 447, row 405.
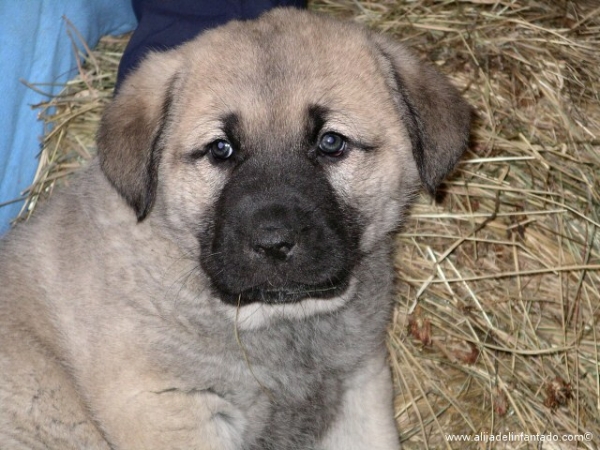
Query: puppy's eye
column 221, row 149
column 332, row 144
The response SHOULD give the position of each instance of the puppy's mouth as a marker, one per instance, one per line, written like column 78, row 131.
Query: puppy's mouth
column 291, row 293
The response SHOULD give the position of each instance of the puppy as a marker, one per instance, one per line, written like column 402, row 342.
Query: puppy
column 221, row 276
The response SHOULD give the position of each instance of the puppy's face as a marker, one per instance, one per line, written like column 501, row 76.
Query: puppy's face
column 280, row 152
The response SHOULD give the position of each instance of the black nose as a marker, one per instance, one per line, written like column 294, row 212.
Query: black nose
column 275, row 232
column 274, row 250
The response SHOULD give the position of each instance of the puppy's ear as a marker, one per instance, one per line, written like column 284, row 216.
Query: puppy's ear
column 129, row 138
column 438, row 119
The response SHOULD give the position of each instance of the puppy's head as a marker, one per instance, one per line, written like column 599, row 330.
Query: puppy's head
column 281, row 151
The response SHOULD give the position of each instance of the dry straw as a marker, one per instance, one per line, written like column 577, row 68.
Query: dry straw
column 496, row 329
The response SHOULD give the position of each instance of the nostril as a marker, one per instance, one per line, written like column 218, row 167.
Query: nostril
column 284, row 247
column 275, row 250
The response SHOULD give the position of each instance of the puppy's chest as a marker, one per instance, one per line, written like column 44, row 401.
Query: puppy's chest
column 287, row 382
column 300, row 375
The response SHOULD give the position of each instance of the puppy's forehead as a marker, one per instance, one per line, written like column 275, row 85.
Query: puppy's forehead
column 280, row 47
column 272, row 71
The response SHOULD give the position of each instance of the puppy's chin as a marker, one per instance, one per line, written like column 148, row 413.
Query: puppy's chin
column 259, row 314
column 285, row 295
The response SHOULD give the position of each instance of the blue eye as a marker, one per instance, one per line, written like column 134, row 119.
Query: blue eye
column 332, row 144
column 221, row 149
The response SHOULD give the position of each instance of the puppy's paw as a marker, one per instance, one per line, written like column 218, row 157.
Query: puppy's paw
column 174, row 419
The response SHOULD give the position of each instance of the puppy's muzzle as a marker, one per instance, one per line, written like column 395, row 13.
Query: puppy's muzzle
column 279, row 236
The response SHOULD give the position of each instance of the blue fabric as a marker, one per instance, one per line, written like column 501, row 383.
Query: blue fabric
column 35, row 46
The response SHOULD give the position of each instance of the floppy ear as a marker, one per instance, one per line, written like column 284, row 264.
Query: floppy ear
column 438, row 119
column 130, row 130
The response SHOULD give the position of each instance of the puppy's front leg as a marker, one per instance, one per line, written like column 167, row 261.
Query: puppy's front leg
column 174, row 419
column 366, row 417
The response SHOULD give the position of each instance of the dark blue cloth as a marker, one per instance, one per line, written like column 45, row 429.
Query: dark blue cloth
column 165, row 24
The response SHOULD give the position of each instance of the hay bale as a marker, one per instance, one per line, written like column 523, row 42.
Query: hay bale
column 496, row 327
